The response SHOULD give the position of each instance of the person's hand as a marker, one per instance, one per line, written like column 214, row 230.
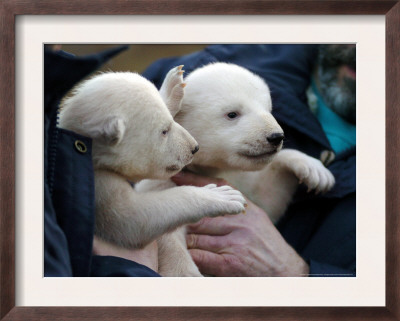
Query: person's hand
column 147, row 256
column 239, row 245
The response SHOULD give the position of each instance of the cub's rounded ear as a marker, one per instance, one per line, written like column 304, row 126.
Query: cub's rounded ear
column 109, row 131
column 113, row 131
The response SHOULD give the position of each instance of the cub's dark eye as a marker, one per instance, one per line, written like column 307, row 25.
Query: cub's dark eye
column 165, row 132
column 232, row 115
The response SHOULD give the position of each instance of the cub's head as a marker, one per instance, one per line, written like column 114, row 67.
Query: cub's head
column 228, row 111
column 132, row 129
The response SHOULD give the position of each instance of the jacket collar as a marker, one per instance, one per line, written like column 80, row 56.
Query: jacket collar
column 63, row 70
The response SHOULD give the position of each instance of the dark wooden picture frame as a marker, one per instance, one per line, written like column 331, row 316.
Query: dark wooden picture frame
column 9, row 9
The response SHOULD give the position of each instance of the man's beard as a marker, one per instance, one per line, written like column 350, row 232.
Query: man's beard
column 340, row 96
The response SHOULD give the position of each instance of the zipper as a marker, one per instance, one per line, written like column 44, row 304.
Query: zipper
column 52, row 149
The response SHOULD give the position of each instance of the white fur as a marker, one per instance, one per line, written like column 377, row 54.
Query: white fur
column 228, row 146
column 217, row 89
column 211, row 93
column 135, row 137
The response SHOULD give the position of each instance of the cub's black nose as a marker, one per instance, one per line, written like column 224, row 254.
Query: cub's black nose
column 275, row 138
column 195, row 150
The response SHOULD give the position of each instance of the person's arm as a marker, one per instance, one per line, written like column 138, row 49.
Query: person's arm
column 241, row 245
column 110, row 260
column 57, row 262
column 147, row 256
column 318, row 269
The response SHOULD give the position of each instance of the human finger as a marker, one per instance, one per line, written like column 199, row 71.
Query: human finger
column 221, row 225
column 205, row 242
column 208, row 262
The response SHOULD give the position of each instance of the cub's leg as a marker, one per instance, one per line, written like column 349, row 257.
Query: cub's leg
column 173, row 256
column 132, row 220
column 174, row 259
column 148, row 185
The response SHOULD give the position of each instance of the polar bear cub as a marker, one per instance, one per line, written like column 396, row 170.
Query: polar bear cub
column 227, row 109
column 242, row 141
column 135, row 137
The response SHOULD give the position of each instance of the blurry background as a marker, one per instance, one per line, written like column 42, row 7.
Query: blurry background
column 138, row 57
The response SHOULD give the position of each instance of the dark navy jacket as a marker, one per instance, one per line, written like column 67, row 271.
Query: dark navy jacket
column 69, row 181
column 321, row 228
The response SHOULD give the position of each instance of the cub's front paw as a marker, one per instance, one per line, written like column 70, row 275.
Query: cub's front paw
column 307, row 169
column 314, row 175
column 172, row 88
column 224, row 200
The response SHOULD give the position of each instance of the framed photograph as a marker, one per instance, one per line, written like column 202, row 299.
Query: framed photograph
column 373, row 26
